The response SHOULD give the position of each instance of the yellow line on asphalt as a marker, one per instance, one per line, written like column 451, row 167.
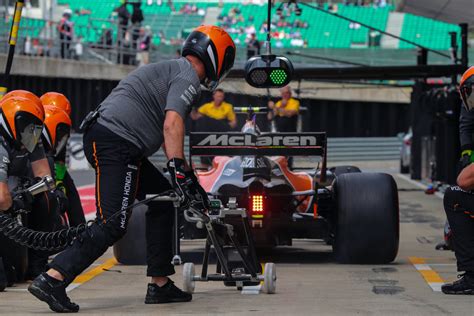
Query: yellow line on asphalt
column 431, row 277
column 83, row 278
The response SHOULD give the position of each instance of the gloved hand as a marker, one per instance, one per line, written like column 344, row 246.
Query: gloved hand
column 22, row 201
column 186, row 185
column 201, row 197
column 467, row 158
column 61, row 199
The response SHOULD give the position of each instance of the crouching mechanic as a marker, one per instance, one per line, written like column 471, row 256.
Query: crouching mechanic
column 459, row 203
column 56, row 133
column 144, row 112
column 21, row 124
column 57, row 128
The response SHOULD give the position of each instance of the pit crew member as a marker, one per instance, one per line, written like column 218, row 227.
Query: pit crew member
column 459, row 202
column 144, row 112
column 57, row 130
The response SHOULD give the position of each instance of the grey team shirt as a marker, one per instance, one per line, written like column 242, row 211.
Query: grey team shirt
column 15, row 162
column 135, row 110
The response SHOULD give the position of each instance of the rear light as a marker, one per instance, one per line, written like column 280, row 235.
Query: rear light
column 257, row 207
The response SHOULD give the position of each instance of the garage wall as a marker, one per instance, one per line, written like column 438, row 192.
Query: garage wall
column 338, row 118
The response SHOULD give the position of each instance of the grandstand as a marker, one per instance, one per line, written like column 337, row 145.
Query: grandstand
column 313, row 29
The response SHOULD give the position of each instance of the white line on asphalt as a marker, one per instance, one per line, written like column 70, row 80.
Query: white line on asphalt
column 436, row 286
column 418, row 184
column 422, row 267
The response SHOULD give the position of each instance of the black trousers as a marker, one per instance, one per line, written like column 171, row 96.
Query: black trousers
column 75, row 213
column 122, row 174
column 456, row 203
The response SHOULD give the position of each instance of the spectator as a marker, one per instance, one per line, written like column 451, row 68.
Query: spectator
column 123, row 19
column 253, row 46
column 218, row 110
column 37, row 48
column 66, row 31
column 178, row 53
column 28, row 49
column 285, row 112
column 78, row 49
column 136, row 19
column 50, row 50
column 106, row 39
column 144, row 43
column 215, row 116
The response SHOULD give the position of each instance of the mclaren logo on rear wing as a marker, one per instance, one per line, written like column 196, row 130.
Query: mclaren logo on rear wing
column 272, row 144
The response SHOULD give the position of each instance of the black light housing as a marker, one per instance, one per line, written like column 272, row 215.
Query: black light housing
column 268, row 71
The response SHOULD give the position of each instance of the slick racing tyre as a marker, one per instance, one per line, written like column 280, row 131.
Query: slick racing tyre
column 131, row 249
column 367, row 221
column 338, row 170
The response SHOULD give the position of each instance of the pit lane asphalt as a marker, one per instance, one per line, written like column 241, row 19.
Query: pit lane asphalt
column 309, row 281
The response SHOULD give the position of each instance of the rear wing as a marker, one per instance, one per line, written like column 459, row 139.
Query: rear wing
column 271, row 144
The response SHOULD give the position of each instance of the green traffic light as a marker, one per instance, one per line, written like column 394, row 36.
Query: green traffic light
column 278, row 76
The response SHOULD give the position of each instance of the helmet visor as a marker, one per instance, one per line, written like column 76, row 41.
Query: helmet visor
column 61, row 143
column 30, row 135
column 213, row 84
column 467, row 94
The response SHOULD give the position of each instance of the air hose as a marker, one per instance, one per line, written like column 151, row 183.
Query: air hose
column 60, row 239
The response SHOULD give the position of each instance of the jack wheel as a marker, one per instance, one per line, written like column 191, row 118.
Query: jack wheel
column 188, row 277
column 269, row 278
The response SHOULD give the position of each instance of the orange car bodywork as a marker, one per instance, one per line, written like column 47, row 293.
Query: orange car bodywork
column 300, row 181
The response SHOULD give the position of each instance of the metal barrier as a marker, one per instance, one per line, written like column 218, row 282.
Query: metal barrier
column 99, row 40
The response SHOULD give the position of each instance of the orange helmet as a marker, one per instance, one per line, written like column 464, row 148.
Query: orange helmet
column 466, row 87
column 57, row 99
column 21, row 122
column 57, row 127
column 215, row 48
column 23, row 94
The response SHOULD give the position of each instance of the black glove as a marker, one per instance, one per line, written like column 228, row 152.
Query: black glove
column 61, row 199
column 186, row 185
column 22, row 201
column 201, row 196
column 466, row 160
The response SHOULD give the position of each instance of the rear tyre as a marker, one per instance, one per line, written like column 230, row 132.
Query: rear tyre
column 367, row 221
column 338, row 170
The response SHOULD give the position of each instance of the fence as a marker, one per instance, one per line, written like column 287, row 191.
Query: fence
column 98, row 40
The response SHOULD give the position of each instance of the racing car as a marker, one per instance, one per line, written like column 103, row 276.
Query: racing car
column 355, row 212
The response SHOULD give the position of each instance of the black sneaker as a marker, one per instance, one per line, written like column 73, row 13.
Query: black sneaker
column 53, row 292
column 168, row 293
column 465, row 285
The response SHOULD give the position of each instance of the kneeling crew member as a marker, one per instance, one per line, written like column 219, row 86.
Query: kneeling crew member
column 146, row 111
column 57, row 149
column 459, row 208
column 21, row 125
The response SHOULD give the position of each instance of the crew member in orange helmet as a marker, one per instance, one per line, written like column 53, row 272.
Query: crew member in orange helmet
column 21, row 154
column 57, row 99
column 459, row 199
column 23, row 94
column 57, row 128
column 62, row 176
